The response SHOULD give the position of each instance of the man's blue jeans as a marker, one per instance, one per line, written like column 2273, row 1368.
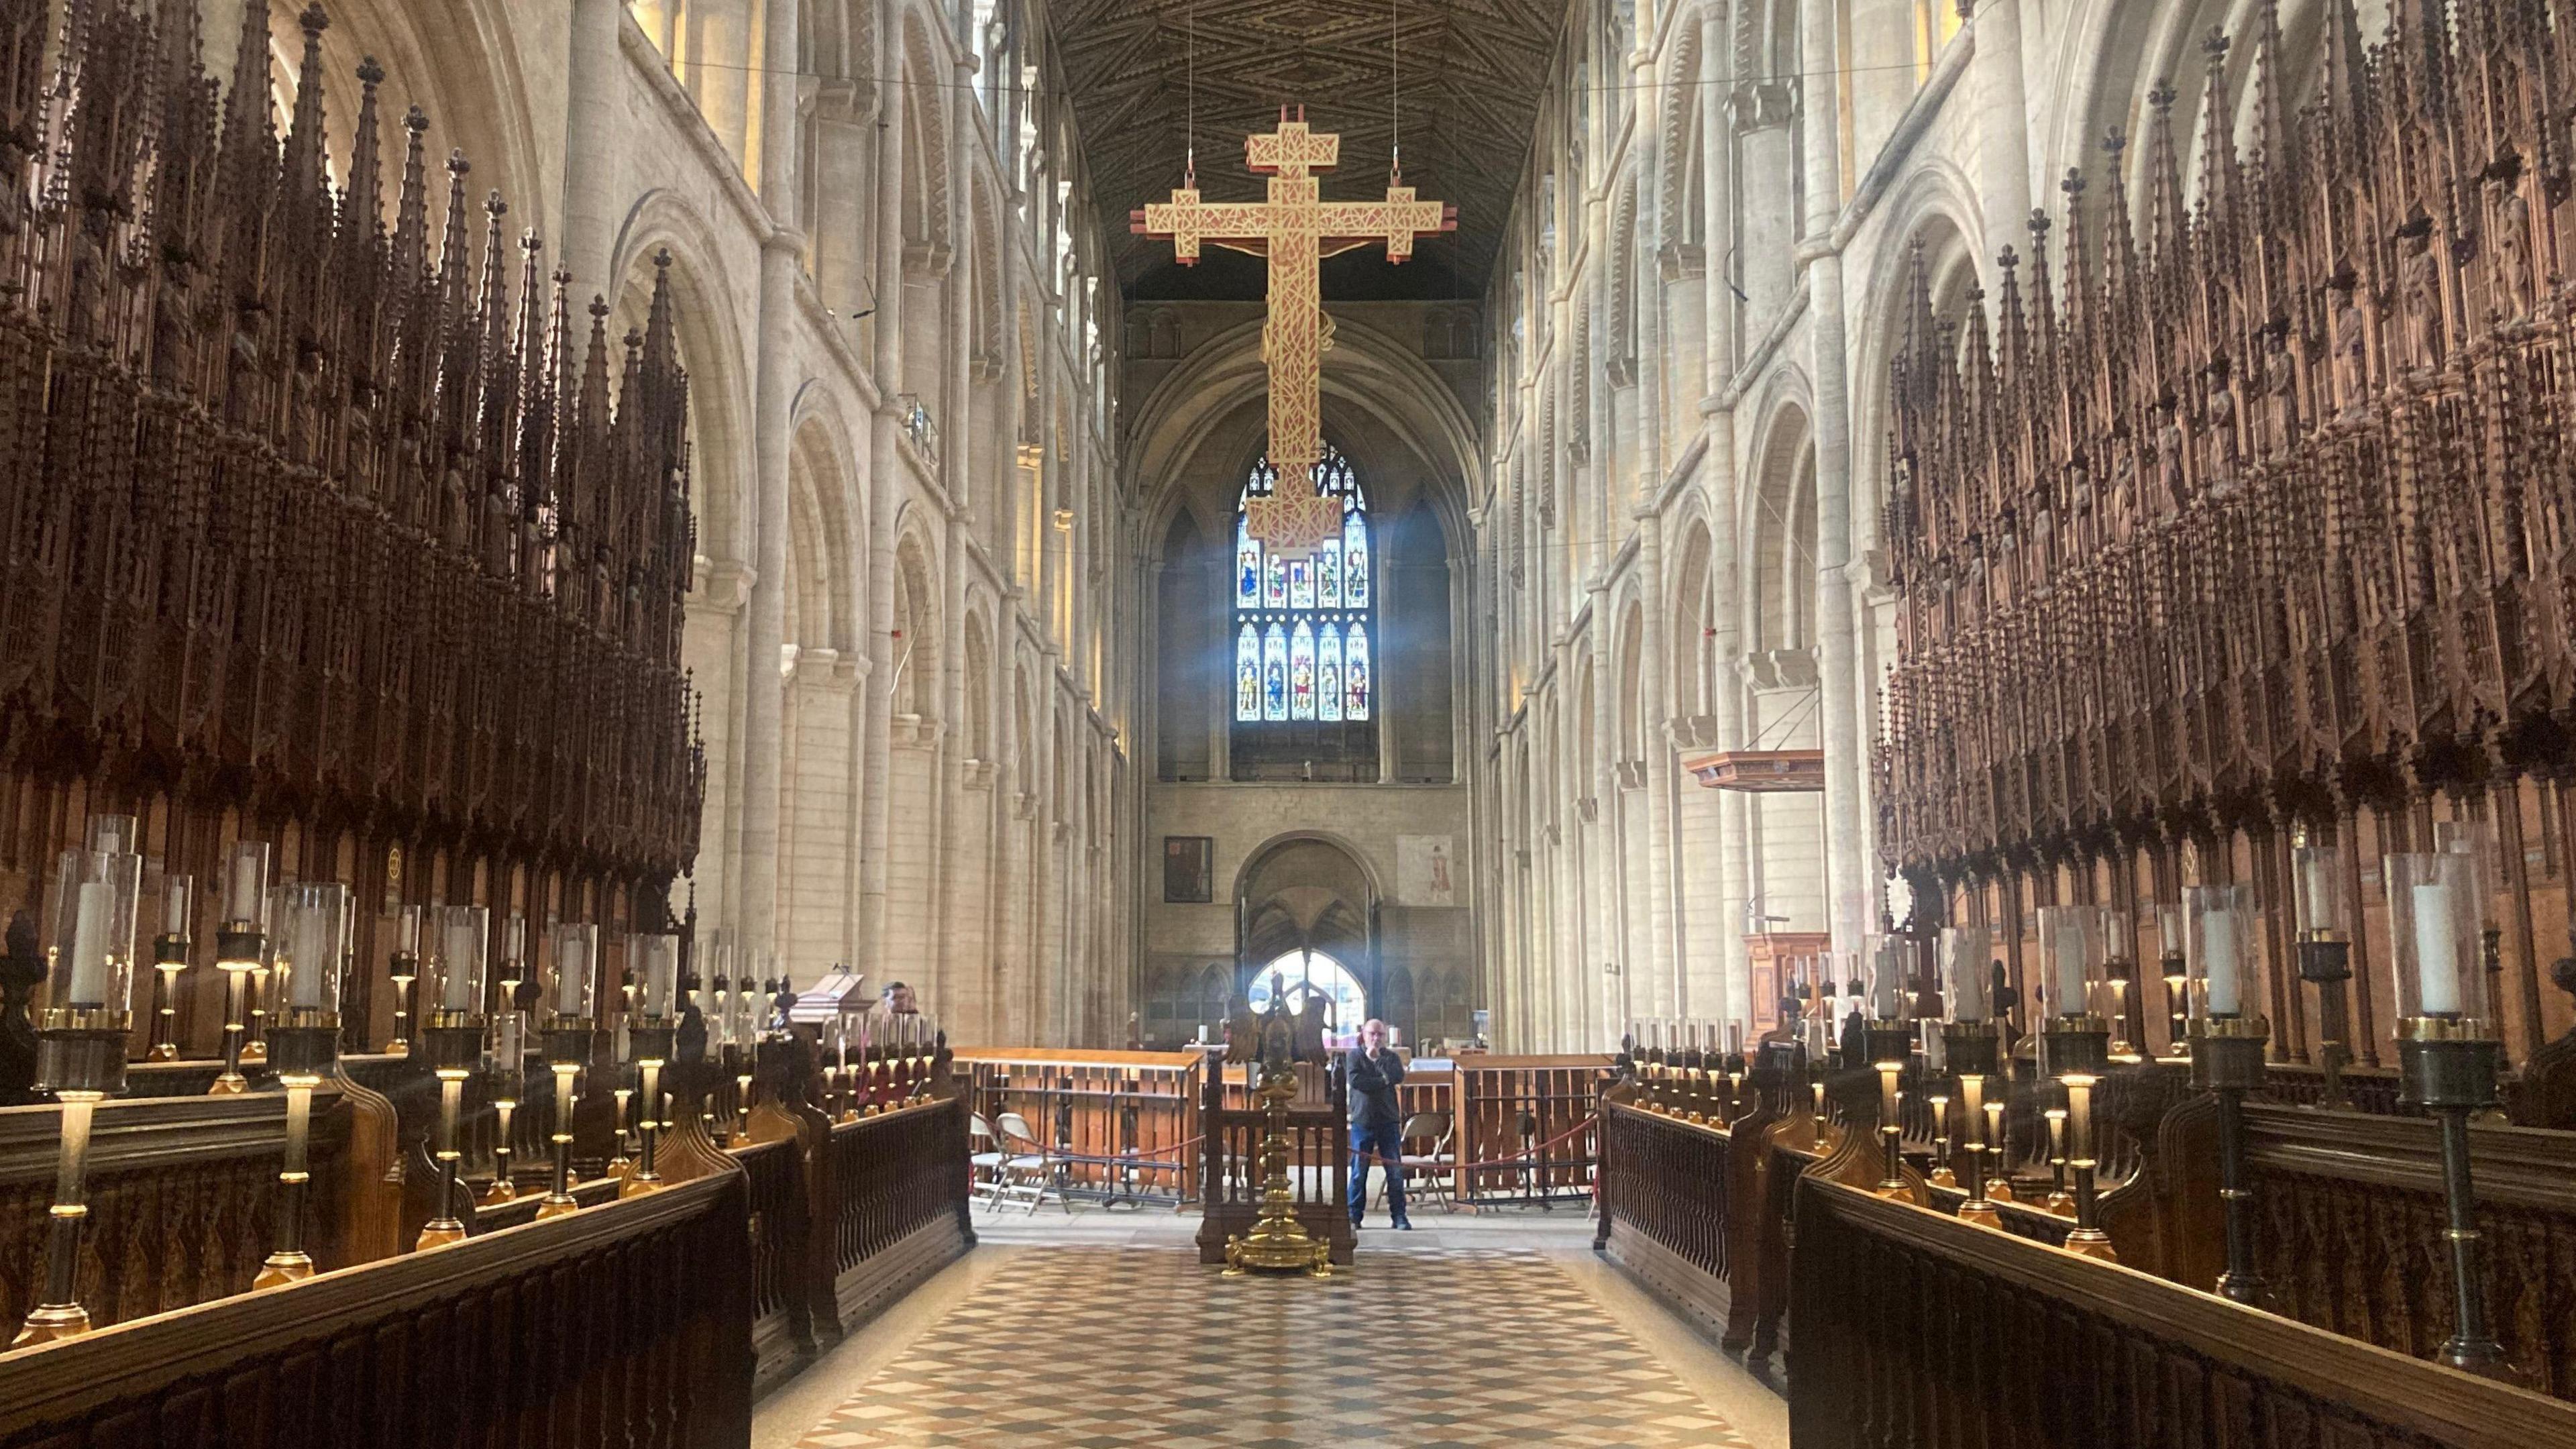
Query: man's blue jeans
column 1384, row 1142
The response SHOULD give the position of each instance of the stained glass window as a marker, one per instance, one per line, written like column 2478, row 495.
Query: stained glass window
column 1247, row 674
column 1301, row 671
column 1356, row 679
column 1301, row 648
column 1328, row 674
column 1274, row 674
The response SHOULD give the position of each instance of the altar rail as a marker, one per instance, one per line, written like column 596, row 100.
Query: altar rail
column 1920, row 1330
column 1120, row 1125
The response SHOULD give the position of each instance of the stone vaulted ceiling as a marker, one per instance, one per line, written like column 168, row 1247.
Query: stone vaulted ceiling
column 1473, row 71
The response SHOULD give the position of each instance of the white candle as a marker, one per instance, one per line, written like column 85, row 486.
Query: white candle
column 309, row 957
column 241, row 901
column 463, row 988
column 2218, row 962
column 1882, row 986
column 407, row 931
column 2437, row 951
column 509, row 1049
column 572, row 975
column 175, row 893
column 89, row 944
column 2070, row 970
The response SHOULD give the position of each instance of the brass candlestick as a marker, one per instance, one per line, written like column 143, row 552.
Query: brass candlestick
column 2059, row 1200
column 87, row 1014
column 2086, row 1239
column 652, row 1048
column 1891, row 1132
column 1278, row 1241
column 1942, row 1175
column 169, row 959
column 1979, row 1208
column 301, row 1060
column 559, row 1199
column 622, row 1164
column 1999, row 1186
column 1272, row 1045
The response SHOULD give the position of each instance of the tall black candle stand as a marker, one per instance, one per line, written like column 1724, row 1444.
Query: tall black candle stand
column 2228, row 1057
column 2453, row 1076
column 2326, row 964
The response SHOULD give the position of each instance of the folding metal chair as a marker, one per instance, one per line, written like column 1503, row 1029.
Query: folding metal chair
column 1438, row 1167
column 984, row 1160
column 1028, row 1167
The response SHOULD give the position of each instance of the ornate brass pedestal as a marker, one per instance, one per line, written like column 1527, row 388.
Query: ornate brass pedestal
column 1277, row 1242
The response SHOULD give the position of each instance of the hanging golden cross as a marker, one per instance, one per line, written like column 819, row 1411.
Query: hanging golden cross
column 1296, row 229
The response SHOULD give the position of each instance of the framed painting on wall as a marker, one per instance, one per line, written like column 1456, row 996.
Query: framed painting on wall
column 1189, row 869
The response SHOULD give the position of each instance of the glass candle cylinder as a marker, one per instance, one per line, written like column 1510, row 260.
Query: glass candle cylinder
column 178, row 902
column 407, row 938
column 2433, row 928
column 89, row 981
column 1965, row 981
column 2224, row 959
column 311, row 953
column 1886, row 959
column 514, row 948
column 657, row 978
column 2475, row 840
column 246, row 897
column 457, row 971
column 2070, row 948
column 576, row 954
column 509, row 1046
column 2324, row 910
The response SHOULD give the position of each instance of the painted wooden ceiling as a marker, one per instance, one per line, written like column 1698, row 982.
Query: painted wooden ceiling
column 1472, row 71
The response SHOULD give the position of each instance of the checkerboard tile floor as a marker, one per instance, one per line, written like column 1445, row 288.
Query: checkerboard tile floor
column 1103, row 1347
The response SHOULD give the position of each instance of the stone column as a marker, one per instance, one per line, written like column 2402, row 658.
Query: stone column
column 885, row 494
column 1847, row 879
column 594, row 76
column 2003, row 135
column 773, row 399
column 1722, row 484
column 1654, row 665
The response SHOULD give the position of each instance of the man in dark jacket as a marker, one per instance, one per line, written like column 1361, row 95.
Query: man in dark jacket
column 1377, row 1123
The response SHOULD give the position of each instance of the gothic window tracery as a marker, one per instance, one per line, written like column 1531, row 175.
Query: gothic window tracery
column 1301, row 651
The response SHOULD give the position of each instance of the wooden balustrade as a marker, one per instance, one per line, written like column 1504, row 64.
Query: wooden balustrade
column 1917, row 1329
column 1319, row 1156
column 1120, row 1125
column 182, row 1196
column 627, row 1324
column 1527, row 1121
column 648, row 1320
column 2351, row 1234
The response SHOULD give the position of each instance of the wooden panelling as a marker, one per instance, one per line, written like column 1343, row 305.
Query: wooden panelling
column 1916, row 1329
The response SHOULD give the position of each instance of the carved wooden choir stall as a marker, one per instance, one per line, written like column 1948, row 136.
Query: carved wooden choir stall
column 2213, row 1083
column 355, row 1078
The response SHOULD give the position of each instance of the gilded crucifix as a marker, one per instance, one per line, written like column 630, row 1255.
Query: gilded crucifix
column 1296, row 229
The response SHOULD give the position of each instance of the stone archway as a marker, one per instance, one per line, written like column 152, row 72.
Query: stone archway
column 1303, row 895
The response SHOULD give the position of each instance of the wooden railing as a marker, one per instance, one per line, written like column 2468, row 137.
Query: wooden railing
column 2351, row 1234
column 1319, row 1156
column 183, row 1196
column 629, row 1324
column 1916, row 1329
column 1120, row 1125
